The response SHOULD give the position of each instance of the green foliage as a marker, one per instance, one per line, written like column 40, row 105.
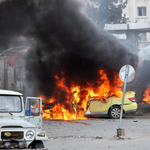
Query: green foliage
column 106, row 11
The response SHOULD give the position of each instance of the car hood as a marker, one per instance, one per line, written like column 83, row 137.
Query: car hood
column 15, row 122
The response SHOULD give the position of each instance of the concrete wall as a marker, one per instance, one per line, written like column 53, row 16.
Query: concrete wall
column 13, row 78
column 6, row 75
column 11, row 81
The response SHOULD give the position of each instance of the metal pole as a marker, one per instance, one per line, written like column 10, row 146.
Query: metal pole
column 24, row 93
column 5, row 74
column 124, row 90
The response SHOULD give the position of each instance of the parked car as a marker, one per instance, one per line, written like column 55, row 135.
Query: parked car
column 112, row 106
column 20, row 130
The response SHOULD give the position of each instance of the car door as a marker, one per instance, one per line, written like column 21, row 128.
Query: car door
column 34, row 116
column 96, row 105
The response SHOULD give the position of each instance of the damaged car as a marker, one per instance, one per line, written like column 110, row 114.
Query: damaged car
column 112, row 106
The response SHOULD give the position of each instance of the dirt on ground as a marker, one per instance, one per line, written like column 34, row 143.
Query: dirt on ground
column 100, row 133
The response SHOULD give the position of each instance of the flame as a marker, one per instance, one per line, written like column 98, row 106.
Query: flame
column 146, row 95
column 77, row 96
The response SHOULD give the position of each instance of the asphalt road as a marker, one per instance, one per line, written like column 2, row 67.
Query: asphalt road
column 98, row 133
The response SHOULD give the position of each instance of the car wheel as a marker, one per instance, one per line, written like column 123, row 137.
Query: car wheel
column 114, row 112
column 37, row 144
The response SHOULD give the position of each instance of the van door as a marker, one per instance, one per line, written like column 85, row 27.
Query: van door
column 33, row 106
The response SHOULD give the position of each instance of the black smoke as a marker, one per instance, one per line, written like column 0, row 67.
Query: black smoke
column 16, row 20
column 141, row 81
column 68, row 44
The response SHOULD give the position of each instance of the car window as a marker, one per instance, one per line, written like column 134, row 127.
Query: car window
column 32, row 107
column 10, row 103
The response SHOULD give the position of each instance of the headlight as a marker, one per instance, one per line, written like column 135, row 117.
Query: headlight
column 29, row 135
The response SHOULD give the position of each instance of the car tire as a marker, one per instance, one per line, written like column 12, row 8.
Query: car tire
column 114, row 112
column 37, row 144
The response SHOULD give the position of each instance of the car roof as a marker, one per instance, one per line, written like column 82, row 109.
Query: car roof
column 8, row 92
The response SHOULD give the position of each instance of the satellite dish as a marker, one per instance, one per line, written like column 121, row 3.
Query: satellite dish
column 130, row 74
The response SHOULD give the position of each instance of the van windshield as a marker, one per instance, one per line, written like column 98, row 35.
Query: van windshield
column 10, row 104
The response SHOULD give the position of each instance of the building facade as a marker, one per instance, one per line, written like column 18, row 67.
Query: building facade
column 138, row 11
column 137, row 28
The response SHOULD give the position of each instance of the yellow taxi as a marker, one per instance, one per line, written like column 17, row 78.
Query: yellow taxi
column 112, row 106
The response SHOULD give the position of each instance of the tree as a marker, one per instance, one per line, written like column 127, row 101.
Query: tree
column 106, row 11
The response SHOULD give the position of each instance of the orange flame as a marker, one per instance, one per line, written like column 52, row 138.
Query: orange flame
column 77, row 97
column 146, row 95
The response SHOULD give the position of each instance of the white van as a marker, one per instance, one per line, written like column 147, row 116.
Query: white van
column 20, row 131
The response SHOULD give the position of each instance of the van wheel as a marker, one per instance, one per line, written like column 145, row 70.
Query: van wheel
column 114, row 112
column 37, row 144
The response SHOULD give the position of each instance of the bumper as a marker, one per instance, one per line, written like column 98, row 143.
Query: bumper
column 13, row 144
column 130, row 108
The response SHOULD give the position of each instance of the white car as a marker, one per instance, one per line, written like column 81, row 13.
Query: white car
column 20, row 131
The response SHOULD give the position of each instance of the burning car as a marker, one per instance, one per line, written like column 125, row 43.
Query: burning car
column 20, row 130
column 112, row 106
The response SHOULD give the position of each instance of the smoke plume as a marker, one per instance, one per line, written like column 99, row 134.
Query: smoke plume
column 68, row 44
